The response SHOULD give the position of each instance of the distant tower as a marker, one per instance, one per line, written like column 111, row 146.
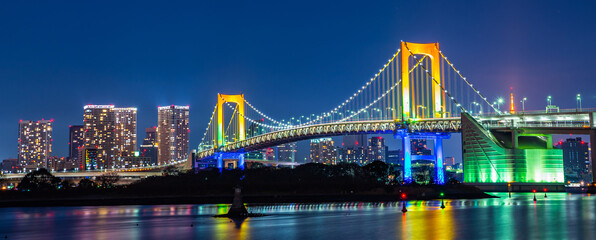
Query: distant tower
column 512, row 109
column 35, row 144
column 172, row 133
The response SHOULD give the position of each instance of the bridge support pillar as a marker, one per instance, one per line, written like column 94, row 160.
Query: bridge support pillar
column 241, row 161
column 220, row 161
column 437, row 156
column 514, row 139
column 407, row 149
column 440, row 173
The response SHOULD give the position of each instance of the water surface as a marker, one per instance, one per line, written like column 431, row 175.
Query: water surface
column 560, row 216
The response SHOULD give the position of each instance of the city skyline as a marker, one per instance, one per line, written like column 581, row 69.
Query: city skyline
column 131, row 76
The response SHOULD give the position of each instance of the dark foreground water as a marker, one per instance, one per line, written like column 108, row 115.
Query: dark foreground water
column 560, row 216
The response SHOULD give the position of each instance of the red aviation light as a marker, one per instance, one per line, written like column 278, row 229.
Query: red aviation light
column 403, row 195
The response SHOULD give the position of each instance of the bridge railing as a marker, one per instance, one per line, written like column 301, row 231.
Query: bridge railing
column 536, row 112
column 536, row 124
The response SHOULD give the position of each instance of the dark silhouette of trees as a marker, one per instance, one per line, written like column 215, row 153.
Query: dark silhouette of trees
column 378, row 170
column 107, row 180
column 66, row 185
column 87, row 184
column 39, row 180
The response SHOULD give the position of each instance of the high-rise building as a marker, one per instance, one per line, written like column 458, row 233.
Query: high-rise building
column 149, row 146
column 76, row 140
column 126, row 133
column 286, row 152
column 150, row 136
column 354, row 141
column 10, row 165
column 354, row 149
column 271, row 154
column 322, row 150
column 395, row 157
column 376, row 149
column 419, row 147
column 100, row 130
column 59, row 164
column 112, row 132
column 450, row 161
column 576, row 158
column 172, row 133
column 35, row 144
column 89, row 158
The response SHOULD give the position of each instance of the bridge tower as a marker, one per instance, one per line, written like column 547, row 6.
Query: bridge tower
column 430, row 50
column 238, row 99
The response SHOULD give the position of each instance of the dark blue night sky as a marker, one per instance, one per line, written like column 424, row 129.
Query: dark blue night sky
column 284, row 56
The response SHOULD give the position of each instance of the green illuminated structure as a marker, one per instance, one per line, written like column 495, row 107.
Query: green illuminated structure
column 508, row 155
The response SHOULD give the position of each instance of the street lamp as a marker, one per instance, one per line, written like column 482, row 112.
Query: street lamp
column 367, row 114
column 472, row 104
column 579, row 102
column 380, row 113
column 390, row 112
column 549, row 100
column 523, row 101
column 500, row 101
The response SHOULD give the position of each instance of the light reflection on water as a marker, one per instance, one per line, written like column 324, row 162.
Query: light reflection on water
column 558, row 216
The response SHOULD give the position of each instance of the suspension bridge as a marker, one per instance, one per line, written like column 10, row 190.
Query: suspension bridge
column 417, row 94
